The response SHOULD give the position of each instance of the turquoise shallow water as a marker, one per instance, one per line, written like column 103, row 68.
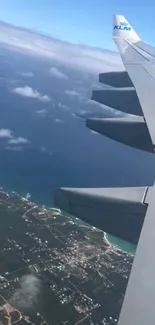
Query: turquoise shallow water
column 122, row 244
column 119, row 243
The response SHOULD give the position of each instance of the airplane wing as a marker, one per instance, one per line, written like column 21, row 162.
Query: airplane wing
column 139, row 62
column 126, row 212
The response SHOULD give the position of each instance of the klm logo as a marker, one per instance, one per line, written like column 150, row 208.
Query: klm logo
column 123, row 26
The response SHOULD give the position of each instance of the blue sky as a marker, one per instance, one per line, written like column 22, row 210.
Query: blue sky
column 83, row 21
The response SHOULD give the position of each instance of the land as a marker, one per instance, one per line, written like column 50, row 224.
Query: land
column 56, row 270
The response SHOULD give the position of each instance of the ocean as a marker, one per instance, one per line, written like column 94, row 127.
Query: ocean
column 60, row 150
column 64, row 154
column 122, row 244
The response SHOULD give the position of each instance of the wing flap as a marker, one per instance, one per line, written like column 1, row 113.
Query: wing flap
column 117, row 211
column 122, row 99
column 117, row 79
column 131, row 131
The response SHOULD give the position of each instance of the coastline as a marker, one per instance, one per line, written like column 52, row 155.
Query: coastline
column 106, row 239
column 113, row 242
column 122, row 245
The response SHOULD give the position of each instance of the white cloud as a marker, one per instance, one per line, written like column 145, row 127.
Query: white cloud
column 14, row 148
column 45, row 98
column 73, row 93
column 5, row 133
column 42, row 112
column 27, row 74
column 11, row 142
column 82, row 111
column 94, row 132
column 63, row 106
column 77, row 56
column 57, row 120
column 74, row 115
column 58, row 74
column 46, row 150
column 26, row 295
column 105, row 108
column 85, row 100
column 31, row 93
column 18, row 140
